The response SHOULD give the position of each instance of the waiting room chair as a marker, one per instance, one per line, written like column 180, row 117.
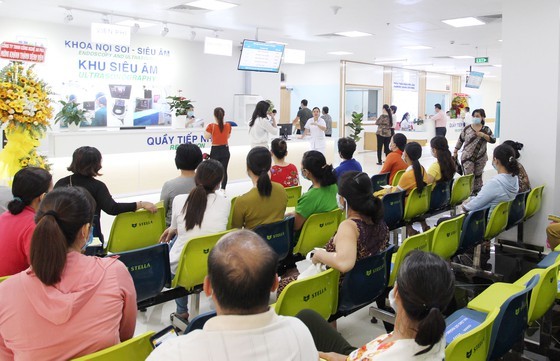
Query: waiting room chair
column 472, row 232
column 517, row 210
column 447, row 234
column 134, row 230
column 137, row 348
column 199, row 321
column 278, row 235
column 533, row 204
column 230, row 217
column 465, row 342
column 378, row 180
column 440, row 197
column 318, row 293
column 416, row 205
column 397, row 177
column 461, row 190
column 498, row 220
column 317, row 230
column 293, row 195
column 393, row 209
column 420, row 241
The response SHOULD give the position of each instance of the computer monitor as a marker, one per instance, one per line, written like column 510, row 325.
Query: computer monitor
column 89, row 105
column 143, row 104
column 285, row 130
column 120, row 91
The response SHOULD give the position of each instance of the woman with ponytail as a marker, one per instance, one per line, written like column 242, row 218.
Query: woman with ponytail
column 66, row 304
column 266, row 202
column 424, row 287
column 363, row 233
column 524, row 183
column 219, row 132
column 16, row 226
column 444, row 169
column 415, row 175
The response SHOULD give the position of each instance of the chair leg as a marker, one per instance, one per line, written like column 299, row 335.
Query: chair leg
column 195, row 305
column 476, row 256
column 453, row 211
column 520, row 232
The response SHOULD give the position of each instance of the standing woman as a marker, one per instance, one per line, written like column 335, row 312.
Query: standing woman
column 260, row 126
column 220, row 133
column 474, row 139
column 315, row 127
column 384, row 124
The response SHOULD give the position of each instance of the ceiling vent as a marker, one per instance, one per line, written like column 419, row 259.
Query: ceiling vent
column 490, row 19
column 184, row 8
column 328, row 36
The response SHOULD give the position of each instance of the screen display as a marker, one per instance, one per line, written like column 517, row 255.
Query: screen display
column 120, row 91
column 474, row 79
column 259, row 56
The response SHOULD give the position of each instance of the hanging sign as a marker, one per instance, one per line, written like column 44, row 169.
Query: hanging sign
column 22, row 52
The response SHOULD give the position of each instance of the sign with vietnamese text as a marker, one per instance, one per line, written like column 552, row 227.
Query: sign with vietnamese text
column 22, row 52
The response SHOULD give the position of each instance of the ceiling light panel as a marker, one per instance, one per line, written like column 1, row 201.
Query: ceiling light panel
column 462, row 57
column 353, row 34
column 340, row 53
column 417, row 47
column 211, row 4
column 463, row 22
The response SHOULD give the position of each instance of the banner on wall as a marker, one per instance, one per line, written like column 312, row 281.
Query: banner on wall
column 22, row 52
column 405, row 80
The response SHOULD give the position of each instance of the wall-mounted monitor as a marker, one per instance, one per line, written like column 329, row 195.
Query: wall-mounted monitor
column 120, row 91
column 474, row 79
column 259, row 56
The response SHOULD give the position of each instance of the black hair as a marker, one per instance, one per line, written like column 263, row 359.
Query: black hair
column 86, row 161
column 444, row 158
column 188, row 156
column 219, row 113
column 304, row 102
column 260, row 111
column 400, row 140
column 29, row 183
column 316, row 108
column 389, row 114
column 404, row 116
column 467, row 109
column 259, row 163
column 516, row 147
column 482, row 114
column 61, row 215
column 438, row 106
column 316, row 164
column 346, row 147
column 326, row 110
column 357, row 189
column 209, row 175
column 279, row 148
column 425, row 284
column 414, row 151
column 393, row 108
column 506, row 156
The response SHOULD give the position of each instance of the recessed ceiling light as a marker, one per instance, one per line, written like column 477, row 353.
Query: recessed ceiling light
column 417, row 47
column 211, row 4
column 389, row 61
column 353, row 34
column 340, row 53
column 133, row 23
column 462, row 57
column 462, row 22
column 500, row 40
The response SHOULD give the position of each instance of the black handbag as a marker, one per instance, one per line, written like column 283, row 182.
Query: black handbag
column 458, row 166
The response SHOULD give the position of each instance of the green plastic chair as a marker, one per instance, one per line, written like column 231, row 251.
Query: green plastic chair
column 498, row 221
column 417, row 204
column 420, row 241
column 317, row 230
column 397, row 177
column 447, row 235
column 293, row 195
column 475, row 344
column 137, row 348
column 533, row 202
column 461, row 190
column 230, row 217
column 134, row 230
column 318, row 293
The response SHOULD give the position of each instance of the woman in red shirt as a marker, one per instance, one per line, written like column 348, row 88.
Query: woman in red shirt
column 219, row 132
column 282, row 172
column 17, row 225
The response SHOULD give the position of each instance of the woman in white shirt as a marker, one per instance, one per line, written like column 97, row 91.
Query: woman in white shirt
column 315, row 128
column 260, row 126
column 201, row 212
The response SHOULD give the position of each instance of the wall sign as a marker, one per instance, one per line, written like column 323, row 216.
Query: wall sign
column 22, row 52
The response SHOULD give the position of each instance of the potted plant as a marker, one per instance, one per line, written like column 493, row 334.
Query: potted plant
column 70, row 115
column 181, row 106
column 356, row 126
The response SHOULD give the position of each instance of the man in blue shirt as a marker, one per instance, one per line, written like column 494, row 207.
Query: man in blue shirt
column 346, row 149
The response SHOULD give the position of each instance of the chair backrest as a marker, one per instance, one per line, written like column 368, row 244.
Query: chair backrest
column 445, row 242
column 474, row 344
column 378, row 180
column 317, row 230
column 441, row 196
column 365, row 282
column 462, row 188
column 420, row 241
column 534, row 202
column 278, row 236
column 318, row 293
column 472, row 232
column 230, row 217
column 137, row 348
column 498, row 220
column 293, row 195
column 543, row 296
column 393, row 209
column 397, row 177
column 198, row 322
column 517, row 210
column 511, row 322
column 149, row 268
column 417, row 203
column 133, row 230
column 193, row 264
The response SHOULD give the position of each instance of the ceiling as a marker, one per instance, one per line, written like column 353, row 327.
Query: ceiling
column 302, row 24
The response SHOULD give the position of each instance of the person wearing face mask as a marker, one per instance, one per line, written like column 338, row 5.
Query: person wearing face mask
column 362, row 234
column 425, row 286
column 190, row 116
column 82, row 303
column 315, row 128
column 474, row 139
column 384, row 125
column 394, row 162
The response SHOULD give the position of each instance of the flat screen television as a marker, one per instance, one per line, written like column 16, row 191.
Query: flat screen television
column 259, row 56
column 474, row 79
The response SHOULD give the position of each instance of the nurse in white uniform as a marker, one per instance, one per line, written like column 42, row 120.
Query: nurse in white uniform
column 315, row 129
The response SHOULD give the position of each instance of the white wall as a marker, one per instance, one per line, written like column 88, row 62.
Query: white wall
column 485, row 97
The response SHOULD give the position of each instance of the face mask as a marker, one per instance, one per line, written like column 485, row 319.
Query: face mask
column 302, row 174
column 392, row 301
column 403, row 157
column 89, row 239
column 341, row 206
column 190, row 113
column 494, row 165
column 477, row 120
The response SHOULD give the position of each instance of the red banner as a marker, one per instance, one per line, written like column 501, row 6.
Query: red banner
column 22, row 52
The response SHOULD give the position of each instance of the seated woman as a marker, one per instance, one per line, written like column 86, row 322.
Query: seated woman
column 363, row 233
column 415, row 175
column 424, row 288
column 282, row 172
column 85, row 166
column 321, row 197
column 394, row 162
column 444, row 169
column 524, row 183
column 266, row 202
column 67, row 304
column 17, row 224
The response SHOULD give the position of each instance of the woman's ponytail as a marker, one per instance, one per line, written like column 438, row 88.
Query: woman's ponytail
column 264, row 184
column 259, row 162
column 49, row 246
column 430, row 330
column 29, row 183
column 506, row 155
column 16, row 206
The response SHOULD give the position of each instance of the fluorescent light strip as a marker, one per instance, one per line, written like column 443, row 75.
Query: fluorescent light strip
column 417, row 47
column 211, row 5
column 353, row 34
column 462, row 57
column 340, row 53
column 463, row 22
